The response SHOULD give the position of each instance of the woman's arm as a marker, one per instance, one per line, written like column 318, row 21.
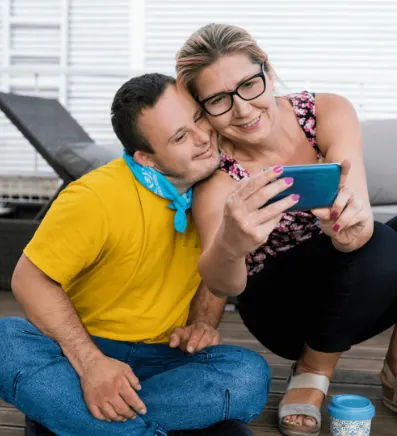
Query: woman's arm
column 223, row 271
column 233, row 223
column 339, row 139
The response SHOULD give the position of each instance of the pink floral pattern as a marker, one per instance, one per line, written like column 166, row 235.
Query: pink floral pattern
column 294, row 228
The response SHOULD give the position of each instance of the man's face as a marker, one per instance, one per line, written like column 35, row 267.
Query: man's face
column 183, row 140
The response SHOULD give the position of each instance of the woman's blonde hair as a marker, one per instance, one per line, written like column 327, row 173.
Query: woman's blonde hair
column 208, row 44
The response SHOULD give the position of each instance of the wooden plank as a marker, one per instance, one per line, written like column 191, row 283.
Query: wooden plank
column 236, row 331
column 8, row 305
column 4, row 404
column 357, row 352
column 341, row 376
column 363, row 365
column 357, row 372
column 12, row 417
column 12, row 431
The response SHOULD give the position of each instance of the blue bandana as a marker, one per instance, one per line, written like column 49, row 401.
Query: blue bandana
column 161, row 186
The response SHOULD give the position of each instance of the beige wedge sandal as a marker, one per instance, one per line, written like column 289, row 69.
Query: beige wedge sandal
column 389, row 394
column 307, row 381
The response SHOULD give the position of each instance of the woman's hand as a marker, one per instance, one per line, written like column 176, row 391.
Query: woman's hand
column 345, row 221
column 246, row 223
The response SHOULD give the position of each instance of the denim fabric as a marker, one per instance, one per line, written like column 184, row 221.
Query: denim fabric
column 180, row 391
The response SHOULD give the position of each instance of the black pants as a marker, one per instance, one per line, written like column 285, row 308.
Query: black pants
column 317, row 295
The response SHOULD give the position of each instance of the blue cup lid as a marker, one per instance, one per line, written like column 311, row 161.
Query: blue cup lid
column 351, row 408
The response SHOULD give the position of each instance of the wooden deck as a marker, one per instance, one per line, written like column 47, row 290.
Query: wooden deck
column 357, row 373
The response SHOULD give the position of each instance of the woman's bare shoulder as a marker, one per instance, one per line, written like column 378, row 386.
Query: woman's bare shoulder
column 329, row 103
column 209, row 197
column 217, row 187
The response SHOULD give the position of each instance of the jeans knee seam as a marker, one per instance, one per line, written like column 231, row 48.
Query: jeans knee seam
column 159, row 431
column 15, row 385
column 226, row 414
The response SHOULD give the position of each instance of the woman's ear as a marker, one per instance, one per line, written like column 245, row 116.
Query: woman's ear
column 144, row 158
column 270, row 73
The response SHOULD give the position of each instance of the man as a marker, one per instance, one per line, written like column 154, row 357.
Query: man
column 121, row 337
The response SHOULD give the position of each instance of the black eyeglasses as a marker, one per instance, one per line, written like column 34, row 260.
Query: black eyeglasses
column 248, row 90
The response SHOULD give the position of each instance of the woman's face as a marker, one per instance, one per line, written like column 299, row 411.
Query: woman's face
column 247, row 121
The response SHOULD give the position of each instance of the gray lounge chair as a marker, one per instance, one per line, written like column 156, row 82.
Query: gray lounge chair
column 63, row 144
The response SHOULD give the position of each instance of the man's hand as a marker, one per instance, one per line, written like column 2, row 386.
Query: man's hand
column 194, row 337
column 109, row 388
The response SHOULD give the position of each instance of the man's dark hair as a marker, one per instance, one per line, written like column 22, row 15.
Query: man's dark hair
column 134, row 96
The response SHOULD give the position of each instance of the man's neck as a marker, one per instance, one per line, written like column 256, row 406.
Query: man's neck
column 180, row 186
column 177, row 182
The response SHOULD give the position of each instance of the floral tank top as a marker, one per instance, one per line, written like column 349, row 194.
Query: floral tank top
column 294, row 227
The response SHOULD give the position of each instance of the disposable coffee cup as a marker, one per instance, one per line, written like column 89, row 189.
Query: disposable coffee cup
column 350, row 415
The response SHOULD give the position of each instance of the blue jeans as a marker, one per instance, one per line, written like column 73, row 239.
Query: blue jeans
column 180, row 391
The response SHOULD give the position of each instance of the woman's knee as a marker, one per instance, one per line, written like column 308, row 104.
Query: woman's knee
column 382, row 247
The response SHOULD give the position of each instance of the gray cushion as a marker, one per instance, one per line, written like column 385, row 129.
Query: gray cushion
column 80, row 158
column 384, row 213
column 380, row 160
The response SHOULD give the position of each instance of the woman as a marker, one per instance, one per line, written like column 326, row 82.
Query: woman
column 310, row 284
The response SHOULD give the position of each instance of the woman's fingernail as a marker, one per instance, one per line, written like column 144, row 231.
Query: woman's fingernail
column 334, row 215
column 278, row 169
column 295, row 197
column 289, row 180
column 336, row 227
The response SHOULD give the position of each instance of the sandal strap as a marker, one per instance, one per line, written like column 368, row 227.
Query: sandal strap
column 392, row 380
column 389, row 375
column 300, row 409
column 309, row 381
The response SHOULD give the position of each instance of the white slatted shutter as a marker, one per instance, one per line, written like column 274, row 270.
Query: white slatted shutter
column 343, row 46
column 77, row 34
column 31, row 31
column 98, row 40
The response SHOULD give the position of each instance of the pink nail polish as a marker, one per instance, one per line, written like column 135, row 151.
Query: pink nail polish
column 334, row 215
column 289, row 180
column 278, row 169
column 295, row 197
column 336, row 227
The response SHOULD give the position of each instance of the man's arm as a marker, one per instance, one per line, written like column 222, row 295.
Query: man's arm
column 47, row 306
column 204, row 317
column 72, row 236
column 206, row 307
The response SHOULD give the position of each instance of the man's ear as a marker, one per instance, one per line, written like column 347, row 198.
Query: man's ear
column 144, row 158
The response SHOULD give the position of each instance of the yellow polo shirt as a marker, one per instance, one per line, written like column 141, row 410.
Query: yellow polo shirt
column 112, row 246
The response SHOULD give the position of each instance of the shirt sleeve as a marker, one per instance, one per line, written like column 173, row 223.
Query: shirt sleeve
column 71, row 236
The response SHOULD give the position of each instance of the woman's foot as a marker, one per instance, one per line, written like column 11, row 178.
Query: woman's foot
column 389, row 384
column 305, row 393
column 303, row 396
column 393, row 372
column 300, row 410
